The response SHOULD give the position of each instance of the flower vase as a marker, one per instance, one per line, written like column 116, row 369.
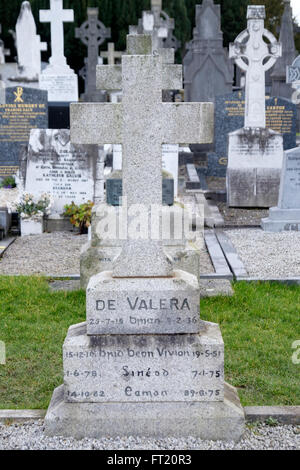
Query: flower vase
column 32, row 226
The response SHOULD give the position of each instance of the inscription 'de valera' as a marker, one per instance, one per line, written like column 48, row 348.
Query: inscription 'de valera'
column 143, row 304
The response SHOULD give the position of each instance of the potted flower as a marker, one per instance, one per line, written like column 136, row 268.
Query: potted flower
column 32, row 212
column 80, row 216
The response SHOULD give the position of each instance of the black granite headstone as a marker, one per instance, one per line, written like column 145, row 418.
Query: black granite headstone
column 281, row 116
column 114, row 191
column 24, row 109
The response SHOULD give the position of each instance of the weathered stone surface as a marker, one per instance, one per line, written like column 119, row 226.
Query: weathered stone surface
column 142, row 305
column 94, row 260
column 212, row 420
column 286, row 216
column 254, row 165
column 64, row 170
column 28, row 107
column 149, row 368
column 208, row 72
column 281, row 116
column 280, row 87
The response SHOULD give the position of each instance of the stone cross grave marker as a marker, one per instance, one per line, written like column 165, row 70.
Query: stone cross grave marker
column 255, row 152
column 151, row 378
column 92, row 33
column 157, row 23
column 141, row 123
column 111, row 55
column 250, row 52
column 57, row 16
column 58, row 78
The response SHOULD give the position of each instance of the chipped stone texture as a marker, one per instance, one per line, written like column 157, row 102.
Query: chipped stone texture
column 254, row 165
column 142, row 123
column 64, row 170
column 223, row 421
column 251, row 46
column 29, row 45
column 144, row 368
column 286, row 215
column 144, row 305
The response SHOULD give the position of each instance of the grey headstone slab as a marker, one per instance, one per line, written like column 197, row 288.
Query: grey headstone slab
column 208, row 71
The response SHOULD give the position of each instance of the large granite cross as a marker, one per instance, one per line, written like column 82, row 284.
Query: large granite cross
column 57, row 16
column 92, row 33
column 141, row 123
column 254, row 56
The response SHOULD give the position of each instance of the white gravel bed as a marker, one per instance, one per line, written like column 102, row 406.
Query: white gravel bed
column 55, row 253
column 267, row 255
column 262, row 437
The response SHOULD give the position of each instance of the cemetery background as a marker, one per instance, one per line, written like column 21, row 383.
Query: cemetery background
column 248, row 252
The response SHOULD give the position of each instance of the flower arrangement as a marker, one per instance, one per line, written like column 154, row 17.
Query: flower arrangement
column 80, row 216
column 8, row 183
column 29, row 207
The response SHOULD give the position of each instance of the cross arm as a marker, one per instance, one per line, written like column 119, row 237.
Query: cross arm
column 188, row 123
column 109, row 77
column 96, row 123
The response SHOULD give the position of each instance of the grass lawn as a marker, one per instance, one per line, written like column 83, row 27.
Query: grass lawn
column 259, row 325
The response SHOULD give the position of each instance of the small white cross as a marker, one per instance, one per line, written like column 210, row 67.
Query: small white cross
column 57, row 16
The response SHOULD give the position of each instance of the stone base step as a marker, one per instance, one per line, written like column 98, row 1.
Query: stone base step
column 208, row 421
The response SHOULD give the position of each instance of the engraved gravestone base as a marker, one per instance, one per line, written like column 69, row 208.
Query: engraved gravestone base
column 254, row 166
column 145, row 385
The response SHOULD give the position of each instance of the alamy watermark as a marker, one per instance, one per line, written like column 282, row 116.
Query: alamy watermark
column 296, row 354
column 150, row 222
column 2, row 353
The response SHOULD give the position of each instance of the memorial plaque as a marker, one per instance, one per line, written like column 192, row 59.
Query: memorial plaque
column 57, row 167
column 24, row 109
column 281, row 116
column 61, row 88
column 139, row 368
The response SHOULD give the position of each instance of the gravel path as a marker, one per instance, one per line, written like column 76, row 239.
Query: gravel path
column 239, row 217
column 262, row 437
column 57, row 254
column 268, row 255
column 51, row 253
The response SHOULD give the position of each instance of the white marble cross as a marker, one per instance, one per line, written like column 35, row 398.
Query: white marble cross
column 57, row 16
column 141, row 123
column 111, row 54
column 254, row 56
